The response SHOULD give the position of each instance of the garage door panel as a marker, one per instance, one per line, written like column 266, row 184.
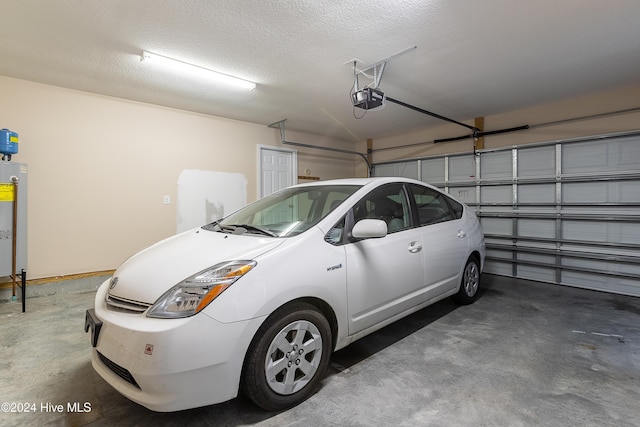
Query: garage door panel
column 604, row 251
column 496, row 165
column 462, row 168
column 588, row 264
column 405, row 169
column 530, row 272
column 536, row 258
column 586, row 157
column 614, row 155
column 602, row 232
column 585, row 280
column 539, row 228
column 624, row 286
column 629, row 233
column 533, row 266
column 601, row 192
column 497, row 253
column 499, row 268
column 629, row 191
column 433, row 170
column 496, row 194
column 582, row 192
column 497, row 226
column 464, row 194
column 587, row 231
column 537, row 193
column 628, row 151
column 542, row 246
column 537, row 162
column 601, row 282
column 501, row 258
column 496, row 210
column 385, row 170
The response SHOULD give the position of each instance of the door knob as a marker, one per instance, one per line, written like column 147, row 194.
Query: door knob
column 415, row 247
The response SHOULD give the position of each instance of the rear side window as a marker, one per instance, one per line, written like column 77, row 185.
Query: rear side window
column 456, row 207
column 434, row 207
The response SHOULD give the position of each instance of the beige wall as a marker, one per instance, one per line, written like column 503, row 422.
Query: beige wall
column 99, row 168
column 615, row 100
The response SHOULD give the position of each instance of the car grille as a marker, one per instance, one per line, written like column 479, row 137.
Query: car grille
column 118, row 370
column 125, row 305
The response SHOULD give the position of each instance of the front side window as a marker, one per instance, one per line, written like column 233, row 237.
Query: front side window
column 387, row 203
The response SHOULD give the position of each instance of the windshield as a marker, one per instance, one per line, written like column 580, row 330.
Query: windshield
column 285, row 213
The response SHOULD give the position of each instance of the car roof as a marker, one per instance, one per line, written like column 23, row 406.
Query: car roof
column 370, row 183
column 361, row 181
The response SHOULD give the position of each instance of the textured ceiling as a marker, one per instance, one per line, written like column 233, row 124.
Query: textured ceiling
column 473, row 58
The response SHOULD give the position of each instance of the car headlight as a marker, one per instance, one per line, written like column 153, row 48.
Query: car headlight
column 196, row 292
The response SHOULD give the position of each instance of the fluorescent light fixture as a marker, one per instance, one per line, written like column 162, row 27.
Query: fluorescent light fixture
column 196, row 71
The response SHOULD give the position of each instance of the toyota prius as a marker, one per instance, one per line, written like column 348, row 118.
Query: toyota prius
column 257, row 301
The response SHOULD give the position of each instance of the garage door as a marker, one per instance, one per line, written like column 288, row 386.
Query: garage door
column 565, row 212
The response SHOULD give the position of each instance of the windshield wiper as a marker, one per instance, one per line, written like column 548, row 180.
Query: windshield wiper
column 214, row 226
column 249, row 227
column 238, row 228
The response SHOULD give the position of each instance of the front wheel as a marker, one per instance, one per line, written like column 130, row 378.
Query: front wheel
column 287, row 358
column 470, row 284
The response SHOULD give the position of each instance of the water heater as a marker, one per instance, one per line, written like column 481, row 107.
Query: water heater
column 13, row 191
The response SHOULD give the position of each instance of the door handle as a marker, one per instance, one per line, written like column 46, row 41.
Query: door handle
column 461, row 234
column 415, row 247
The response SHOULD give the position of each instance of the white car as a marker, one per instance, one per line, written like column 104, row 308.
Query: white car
column 259, row 300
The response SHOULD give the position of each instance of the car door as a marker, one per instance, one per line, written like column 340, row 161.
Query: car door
column 442, row 231
column 385, row 276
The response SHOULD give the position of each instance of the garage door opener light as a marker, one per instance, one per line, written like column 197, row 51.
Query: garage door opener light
column 196, row 71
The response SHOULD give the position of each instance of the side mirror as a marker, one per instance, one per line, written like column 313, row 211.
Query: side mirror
column 369, row 228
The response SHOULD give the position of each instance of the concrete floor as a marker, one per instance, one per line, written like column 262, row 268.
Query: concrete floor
column 524, row 354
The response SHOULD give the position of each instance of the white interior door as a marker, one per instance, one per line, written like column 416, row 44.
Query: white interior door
column 278, row 169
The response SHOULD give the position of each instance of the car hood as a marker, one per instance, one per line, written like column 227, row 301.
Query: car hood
column 150, row 273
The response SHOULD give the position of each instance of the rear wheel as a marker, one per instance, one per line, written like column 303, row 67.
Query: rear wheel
column 470, row 284
column 288, row 357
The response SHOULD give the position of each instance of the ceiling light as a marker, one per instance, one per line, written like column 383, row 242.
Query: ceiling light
column 196, row 70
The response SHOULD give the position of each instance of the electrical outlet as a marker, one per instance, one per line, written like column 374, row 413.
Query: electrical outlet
column 166, row 200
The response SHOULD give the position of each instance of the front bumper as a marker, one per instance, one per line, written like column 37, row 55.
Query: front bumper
column 173, row 364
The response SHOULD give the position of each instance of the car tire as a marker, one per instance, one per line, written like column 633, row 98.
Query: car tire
column 288, row 357
column 470, row 283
